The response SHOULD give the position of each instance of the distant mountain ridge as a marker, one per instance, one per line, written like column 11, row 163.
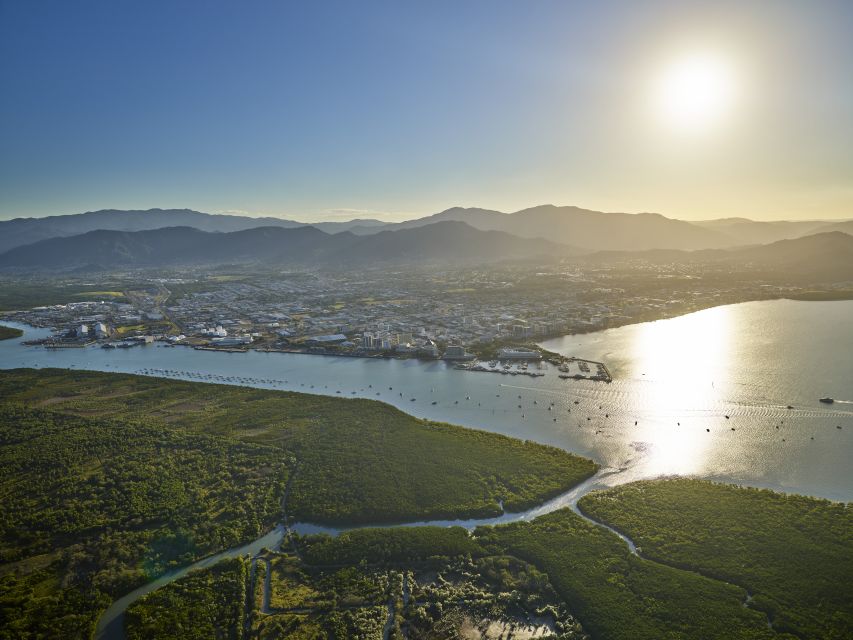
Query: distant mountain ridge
column 745, row 231
column 826, row 256
column 444, row 242
column 584, row 228
column 594, row 230
column 21, row 231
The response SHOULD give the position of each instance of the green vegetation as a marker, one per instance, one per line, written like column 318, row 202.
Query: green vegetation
column 706, row 548
column 496, row 596
column 94, row 505
column 359, row 461
column 9, row 332
column 365, row 623
column 823, row 295
column 129, row 329
column 108, row 480
column 29, row 292
column 793, row 554
column 490, row 597
column 617, row 595
column 86, row 516
column 342, row 602
column 100, row 294
column 388, row 546
column 326, row 589
column 202, row 605
column 513, row 578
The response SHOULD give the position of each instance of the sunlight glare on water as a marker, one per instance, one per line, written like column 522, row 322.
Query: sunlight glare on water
column 666, row 385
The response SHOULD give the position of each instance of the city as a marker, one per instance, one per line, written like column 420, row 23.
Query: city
column 402, row 313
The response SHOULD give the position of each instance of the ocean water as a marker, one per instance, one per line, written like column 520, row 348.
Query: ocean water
column 705, row 394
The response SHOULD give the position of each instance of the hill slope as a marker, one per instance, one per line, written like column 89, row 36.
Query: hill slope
column 23, row 231
column 821, row 256
column 593, row 230
column 453, row 242
column 745, row 231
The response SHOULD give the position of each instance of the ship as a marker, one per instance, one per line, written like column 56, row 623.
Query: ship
column 827, row 400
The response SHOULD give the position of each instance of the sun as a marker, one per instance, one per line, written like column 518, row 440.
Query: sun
column 695, row 92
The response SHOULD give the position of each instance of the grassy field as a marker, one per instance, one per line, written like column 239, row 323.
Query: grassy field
column 26, row 294
column 793, row 554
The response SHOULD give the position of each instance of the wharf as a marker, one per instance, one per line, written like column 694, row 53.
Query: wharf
column 584, row 370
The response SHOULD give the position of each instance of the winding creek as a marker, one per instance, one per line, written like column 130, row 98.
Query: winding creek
column 728, row 393
column 111, row 624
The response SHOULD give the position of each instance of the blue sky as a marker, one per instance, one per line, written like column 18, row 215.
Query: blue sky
column 395, row 109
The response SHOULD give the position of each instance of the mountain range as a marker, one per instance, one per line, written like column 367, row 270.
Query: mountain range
column 747, row 231
column 22, row 231
column 593, row 230
column 582, row 228
column 443, row 242
column 826, row 256
column 821, row 256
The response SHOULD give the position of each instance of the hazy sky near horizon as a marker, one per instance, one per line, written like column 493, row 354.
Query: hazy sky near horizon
column 333, row 110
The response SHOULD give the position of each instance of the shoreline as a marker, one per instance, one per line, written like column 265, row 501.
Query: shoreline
column 481, row 354
column 547, row 354
column 509, row 420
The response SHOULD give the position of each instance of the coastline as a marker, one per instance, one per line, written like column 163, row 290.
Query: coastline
column 487, row 351
column 636, row 454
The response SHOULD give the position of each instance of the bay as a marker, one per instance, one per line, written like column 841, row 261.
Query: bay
column 705, row 394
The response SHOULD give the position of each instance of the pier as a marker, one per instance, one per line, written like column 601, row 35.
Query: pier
column 568, row 369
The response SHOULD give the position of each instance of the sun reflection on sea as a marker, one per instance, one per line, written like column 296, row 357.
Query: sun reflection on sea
column 683, row 362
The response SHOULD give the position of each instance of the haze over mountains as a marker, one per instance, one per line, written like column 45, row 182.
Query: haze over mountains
column 449, row 241
column 747, row 231
column 591, row 230
column 20, row 231
column 821, row 256
column 169, row 237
